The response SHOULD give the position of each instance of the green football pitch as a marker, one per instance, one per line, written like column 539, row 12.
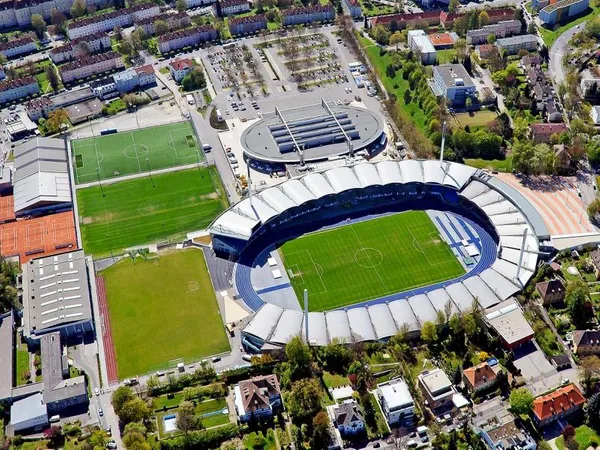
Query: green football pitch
column 148, row 210
column 162, row 309
column 367, row 260
column 130, row 152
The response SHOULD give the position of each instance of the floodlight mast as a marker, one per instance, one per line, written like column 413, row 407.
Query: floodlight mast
column 306, row 316
column 298, row 149
column 523, row 243
column 346, row 137
column 443, row 143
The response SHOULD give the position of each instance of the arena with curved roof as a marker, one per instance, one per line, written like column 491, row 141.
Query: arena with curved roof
column 311, row 133
column 508, row 232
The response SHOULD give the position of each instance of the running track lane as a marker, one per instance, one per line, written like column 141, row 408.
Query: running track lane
column 109, row 347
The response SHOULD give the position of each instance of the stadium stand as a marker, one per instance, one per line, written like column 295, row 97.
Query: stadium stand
column 502, row 222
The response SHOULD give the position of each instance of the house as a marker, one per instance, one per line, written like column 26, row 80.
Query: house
column 307, row 14
column 437, row 388
column 419, row 42
column 257, row 397
column 246, row 25
column 557, row 405
column 17, row 47
column 352, row 8
column 479, row 378
column 586, row 342
column 39, row 107
column 348, row 418
column 542, row 132
column 396, row 402
column 104, row 88
column 561, row 10
column 224, row 8
column 498, row 427
column 91, row 65
column 595, row 114
column 400, row 21
column 18, row 88
column 498, row 30
column 452, row 82
column 551, row 292
column 179, row 68
column 108, row 21
column 441, row 41
column 485, row 51
column 188, row 37
column 513, row 45
column 561, row 362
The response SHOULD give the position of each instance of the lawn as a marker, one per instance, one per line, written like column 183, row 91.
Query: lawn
column 583, row 436
column 162, row 309
column 136, row 151
column 333, row 381
column 367, row 260
column 146, row 210
column 22, row 363
column 396, row 85
column 550, row 35
column 116, row 106
column 446, row 56
column 475, row 119
column 498, row 165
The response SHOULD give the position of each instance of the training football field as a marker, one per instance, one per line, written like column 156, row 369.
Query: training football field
column 136, row 151
column 148, row 210
column 162, row 309
column 367, row 260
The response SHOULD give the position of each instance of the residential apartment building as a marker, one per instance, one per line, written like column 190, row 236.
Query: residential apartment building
column 2, row 73
column 419, row 42
column 551, row 292
column 586, row 342
column 17, row 47
column 195, row 3
column 16, row 89
column 396, row 402
column 17, row 13
column 105, row 88
column 224, row 8
column 452, row 82
column 479, row 378
column 174, row 21
column 558, row 11
column 134, row 77
column 189, row 37
column 542, row 132
column 348, row 418
column 106, row 22
column 436, row 387
column 557, row 405
column 307, row 14
column 352, row 8
column 180, row 68
column 512, row 45
column 246, row 25
column 258, row 397
column 39, row 107
column 442, row 41
column 401, row 21
column 91, row 65
column 495, row 15
column 499, row 30
column 91, row 43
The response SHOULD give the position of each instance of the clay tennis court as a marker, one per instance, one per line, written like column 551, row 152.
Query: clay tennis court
column 556, row 199
column 41, row 236
column 7, row 208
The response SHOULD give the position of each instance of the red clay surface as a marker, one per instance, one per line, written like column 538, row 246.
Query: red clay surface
column 109, row 346
column 7, row 208
column 556, row 199
column 41, row 236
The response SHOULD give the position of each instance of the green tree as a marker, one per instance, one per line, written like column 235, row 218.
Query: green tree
column 521, row 401
column 453, row 6
column 299, row 357
column 56, row 119
column 380, row 34
column 120, row 396
column 57, row 18
column 304, row 399
column 161, row 27
column 181, row 5
column 593, row 411
column 335, row 357
column 135, row 441
column 137, row 427
column 135, row 410
column 39, row 25
column 186, row 417
column 195, row 79
column 9, row 295
column 429, row 333
column 396, row 39
column 78, row 9
column 491, row 39
column 98, row 439
column 320, row 430
column 577, row 298
column 52, row 77
column 484, row 18
column 589, row 370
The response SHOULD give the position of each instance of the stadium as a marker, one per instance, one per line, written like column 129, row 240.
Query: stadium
column 489, row 226
column 311, row 133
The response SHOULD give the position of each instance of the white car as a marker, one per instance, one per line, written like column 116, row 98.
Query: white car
column 96, row 391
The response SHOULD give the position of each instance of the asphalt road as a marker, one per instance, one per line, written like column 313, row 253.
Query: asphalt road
column 557, row 52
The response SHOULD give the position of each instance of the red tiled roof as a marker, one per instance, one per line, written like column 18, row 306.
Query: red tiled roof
column 479, row 374
column 247, row 19
column 145, row 69
column 102, row 17
column 16, row 43
column 548, row 128
column 89, row 60
column 228, row 3
column 186, row 32
column 11, row 84
column 383, row 20
column 306, row 10
column 256, row 391
column 441, row 39
column 557, row 402
column 180, row 64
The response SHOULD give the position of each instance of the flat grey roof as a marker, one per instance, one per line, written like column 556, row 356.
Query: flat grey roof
column 74, row 96
column 56, row 291
column 6, row 355
column 83, row 110
column 516, row 40
column 451, row 72
column 258, row 141
column 53, row 361
column 28, row 408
